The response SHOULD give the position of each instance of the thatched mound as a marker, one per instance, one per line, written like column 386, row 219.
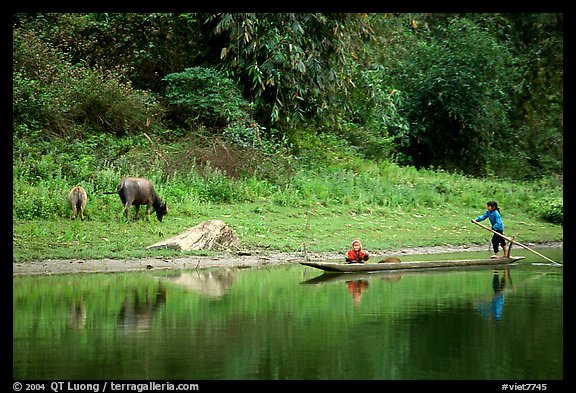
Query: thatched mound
column 208, row 235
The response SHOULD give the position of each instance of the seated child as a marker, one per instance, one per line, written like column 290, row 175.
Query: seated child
column 356, row 255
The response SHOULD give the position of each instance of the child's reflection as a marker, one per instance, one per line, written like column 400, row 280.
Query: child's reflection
column 356, row 287
column 493, row 309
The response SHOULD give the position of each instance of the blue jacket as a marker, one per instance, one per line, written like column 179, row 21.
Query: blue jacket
column 495, row 220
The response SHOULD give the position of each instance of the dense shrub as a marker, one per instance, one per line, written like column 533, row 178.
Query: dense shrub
column 71, row 100
column 551, row 210
column 456, row 87
column 206, row 96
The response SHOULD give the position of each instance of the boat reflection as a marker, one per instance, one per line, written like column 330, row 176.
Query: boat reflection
column 356, row 283
column 326, row 278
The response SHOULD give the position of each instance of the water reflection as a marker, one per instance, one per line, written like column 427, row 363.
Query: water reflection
column 492, row 309
column 77, row 314
column 326, row 278
column 213, row 284
column 269, row 323
column 356, row 287
column 137, row 314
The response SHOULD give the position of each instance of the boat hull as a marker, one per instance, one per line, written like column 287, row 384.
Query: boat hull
column 375, row 267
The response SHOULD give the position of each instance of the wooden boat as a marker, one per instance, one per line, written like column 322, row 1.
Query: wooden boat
column 389, row 275
column 375, row 267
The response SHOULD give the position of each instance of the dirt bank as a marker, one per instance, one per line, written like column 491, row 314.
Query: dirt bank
column 253, row 260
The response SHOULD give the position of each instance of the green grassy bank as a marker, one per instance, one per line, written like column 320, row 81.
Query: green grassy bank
column 273, row 228
column 321, row 207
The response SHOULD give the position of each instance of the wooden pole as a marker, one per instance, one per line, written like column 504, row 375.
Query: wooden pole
column 515, row 242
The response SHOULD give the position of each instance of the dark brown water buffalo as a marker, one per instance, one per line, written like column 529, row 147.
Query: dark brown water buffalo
column 78, row 199
column 140, row 191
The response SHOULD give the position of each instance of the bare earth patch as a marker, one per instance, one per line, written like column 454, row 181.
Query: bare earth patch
column 254, row 260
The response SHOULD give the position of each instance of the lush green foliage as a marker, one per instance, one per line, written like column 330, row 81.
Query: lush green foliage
column 550, row 209
column 291, row 64
column 459, row 92
column 285, row 114
column 53, row 95
column 456, row 100
column 205, row 96
column 309, row 202
column 538, row 101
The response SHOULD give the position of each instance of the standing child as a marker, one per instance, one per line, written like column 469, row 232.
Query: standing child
column 493, row 214
column 356, row 254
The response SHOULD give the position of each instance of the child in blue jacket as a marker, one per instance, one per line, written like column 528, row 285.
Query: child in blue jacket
column 493, row 214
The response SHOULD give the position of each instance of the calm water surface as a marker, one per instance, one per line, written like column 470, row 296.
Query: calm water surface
column 294, row 322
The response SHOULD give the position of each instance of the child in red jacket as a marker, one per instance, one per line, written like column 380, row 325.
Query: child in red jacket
column 356, row 255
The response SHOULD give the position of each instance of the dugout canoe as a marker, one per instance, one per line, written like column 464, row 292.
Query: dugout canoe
column 337, row 267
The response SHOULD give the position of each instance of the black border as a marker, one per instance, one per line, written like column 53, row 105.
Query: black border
column 322, row 6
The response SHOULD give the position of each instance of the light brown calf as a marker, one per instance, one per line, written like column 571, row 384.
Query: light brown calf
column 78, row 199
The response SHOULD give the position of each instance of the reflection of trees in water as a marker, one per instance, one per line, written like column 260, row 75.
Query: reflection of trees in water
column 214, row 284
column 137, row 313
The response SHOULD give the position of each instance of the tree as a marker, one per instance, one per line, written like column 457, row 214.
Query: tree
column 537, row 41
column 456, row 84
column 142, row 46
column 291, row 65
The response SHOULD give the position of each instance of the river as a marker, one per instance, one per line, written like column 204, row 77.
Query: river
column 292, row 322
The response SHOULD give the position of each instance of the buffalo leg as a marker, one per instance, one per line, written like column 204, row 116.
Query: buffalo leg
column 127, row 210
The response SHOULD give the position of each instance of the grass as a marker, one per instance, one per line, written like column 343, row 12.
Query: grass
column 319, row 205
column 269, row 227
